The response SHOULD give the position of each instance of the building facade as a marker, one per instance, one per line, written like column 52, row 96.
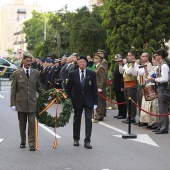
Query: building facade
column 93, row 3
column 10, row 16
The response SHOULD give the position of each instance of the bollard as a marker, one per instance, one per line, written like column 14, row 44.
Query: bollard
column 129, row 135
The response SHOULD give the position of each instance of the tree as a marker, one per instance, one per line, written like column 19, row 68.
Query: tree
column 136, row 24
column 87, row 33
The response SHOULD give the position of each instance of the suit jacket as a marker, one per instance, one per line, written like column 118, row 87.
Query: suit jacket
column 23, row 90
column 77, row 93
column 101, row 77
column 118, row 80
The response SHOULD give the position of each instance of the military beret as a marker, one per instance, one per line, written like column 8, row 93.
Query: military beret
column 56, row 61
column 39, row 58
column 27, row 54
column 101, row 51
column 43, row 60
column 98, row 56
column 82, row 57
column 118, row 56
column 49, row 55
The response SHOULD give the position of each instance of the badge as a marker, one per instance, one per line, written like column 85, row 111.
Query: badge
column 90, row 83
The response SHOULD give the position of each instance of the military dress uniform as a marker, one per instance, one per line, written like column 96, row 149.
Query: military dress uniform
column 101, row 84
column 24, row 98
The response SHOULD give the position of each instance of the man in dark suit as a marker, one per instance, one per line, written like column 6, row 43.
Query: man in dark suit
column 82, row 89
column 118, row 87
column 25, row 84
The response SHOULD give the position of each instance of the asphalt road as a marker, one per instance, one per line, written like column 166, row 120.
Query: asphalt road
column 150, row 152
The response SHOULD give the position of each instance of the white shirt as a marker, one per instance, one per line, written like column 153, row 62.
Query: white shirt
column 26, row 70
column 129, row 70
column 80, row 73
column 164, row 74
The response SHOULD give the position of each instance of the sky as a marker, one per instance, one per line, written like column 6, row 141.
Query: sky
column 72, row 5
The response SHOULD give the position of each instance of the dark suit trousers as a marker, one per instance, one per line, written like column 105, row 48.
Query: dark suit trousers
column 22, row 117
column 131, row 92
column 77, row 123
column 122, row 109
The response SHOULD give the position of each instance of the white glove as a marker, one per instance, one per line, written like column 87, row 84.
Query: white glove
column 99, row 90
column 13, row 108
column 49, row 98
column 94, row 107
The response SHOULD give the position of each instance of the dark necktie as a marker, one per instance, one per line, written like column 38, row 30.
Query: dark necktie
column 82, row 78
column 27, row 73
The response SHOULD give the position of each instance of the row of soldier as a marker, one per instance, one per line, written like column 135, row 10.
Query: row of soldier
column 55, row 73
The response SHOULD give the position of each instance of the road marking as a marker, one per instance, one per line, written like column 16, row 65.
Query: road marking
column 1, row 140
column 113, row 128
column 5, row 91
column 143, row 138
column 49, row 130
column 2, row 96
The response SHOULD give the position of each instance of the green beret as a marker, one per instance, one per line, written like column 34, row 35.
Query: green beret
column 27, row 54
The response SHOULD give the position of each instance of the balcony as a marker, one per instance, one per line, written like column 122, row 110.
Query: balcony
column 21, row 11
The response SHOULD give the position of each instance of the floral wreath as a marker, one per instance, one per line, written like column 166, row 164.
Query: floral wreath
column 50, row 96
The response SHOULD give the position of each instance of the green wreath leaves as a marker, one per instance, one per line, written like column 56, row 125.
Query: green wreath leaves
column 63, row 116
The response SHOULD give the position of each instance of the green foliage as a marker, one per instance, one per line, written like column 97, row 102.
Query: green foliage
column 87, row 33
column 136, row 24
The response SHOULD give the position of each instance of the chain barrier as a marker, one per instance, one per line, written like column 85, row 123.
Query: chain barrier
column 152, row 114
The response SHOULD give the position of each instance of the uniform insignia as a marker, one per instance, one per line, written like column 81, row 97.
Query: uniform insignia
column 102, row 70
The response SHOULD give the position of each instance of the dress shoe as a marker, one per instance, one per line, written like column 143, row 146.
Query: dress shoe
column 22, row 146
column 142, row 124
column 121, row 117
column 162, row 132
column 156, row 130
column 32, row 148
column 99, row 118
column 87, row 145
column 76, row 143
column 152, row 127
column 127, row 121
column 115, row 116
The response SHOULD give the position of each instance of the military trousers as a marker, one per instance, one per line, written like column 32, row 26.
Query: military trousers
column 22, row 117
column 100, row 110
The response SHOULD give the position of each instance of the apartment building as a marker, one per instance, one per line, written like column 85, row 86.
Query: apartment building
column 11, row 15
column 93, row 3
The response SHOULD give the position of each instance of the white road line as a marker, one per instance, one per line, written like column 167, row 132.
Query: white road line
column 142, row 138
column 113, row 128
column 1, row 140
column 49, row 130
column 4, row 91
column 2, row 96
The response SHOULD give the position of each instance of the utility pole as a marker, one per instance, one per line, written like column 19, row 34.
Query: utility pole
column 58, row 44
column 45, row 29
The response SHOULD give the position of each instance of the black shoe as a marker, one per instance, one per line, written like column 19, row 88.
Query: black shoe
column 87, row 145
column 104, row 115
column 127, row 121
column 121, row 117
column 115, row 116
column 162, row 132
column 76, row 143
column 22, row 146
column 32, row 148
column 142, row 124
column 152, row 127
column 99, row 119
column 156, row 130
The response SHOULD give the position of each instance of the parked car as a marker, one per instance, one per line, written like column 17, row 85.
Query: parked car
column 10, row 67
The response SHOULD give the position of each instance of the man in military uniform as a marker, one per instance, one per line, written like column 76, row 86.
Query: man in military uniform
column 104, row 62
column 24, row 86
column 101, row 85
